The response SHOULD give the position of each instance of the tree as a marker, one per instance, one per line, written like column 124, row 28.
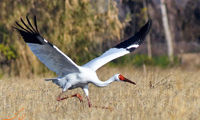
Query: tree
column 167, row 31
column 145, row 4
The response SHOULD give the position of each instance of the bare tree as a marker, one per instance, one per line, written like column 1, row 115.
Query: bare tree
column 168, row 35
column 145, row 4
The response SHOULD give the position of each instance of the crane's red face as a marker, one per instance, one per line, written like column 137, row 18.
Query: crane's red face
column 122, row 78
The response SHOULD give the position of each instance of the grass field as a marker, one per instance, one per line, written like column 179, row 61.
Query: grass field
column 160, row 94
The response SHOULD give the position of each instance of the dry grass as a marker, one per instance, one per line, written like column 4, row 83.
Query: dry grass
column 159, row 94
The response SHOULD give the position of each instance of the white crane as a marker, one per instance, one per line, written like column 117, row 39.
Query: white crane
column 70, row 75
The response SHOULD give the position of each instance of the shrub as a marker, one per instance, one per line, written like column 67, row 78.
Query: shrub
column 139, row 60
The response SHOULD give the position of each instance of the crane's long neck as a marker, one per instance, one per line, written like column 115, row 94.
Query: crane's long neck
column 104, row 83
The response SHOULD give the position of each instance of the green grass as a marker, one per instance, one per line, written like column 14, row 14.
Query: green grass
column 139, row 60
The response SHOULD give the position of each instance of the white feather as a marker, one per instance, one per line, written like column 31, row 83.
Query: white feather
column 109, row 55
column 133, row 46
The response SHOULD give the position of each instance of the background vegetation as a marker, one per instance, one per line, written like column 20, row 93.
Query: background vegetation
column 73, row 26
column 84, row 29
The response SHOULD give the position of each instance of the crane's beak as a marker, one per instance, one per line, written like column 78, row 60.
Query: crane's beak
column 127, row 80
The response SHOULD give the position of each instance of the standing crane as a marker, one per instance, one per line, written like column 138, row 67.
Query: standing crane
column 71, row 75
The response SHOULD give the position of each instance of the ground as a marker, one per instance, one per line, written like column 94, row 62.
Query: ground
column 160, row 94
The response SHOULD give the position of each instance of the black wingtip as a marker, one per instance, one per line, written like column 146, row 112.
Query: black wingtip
column 22, row 28
column 137, row 39
column 32, row 31
column 30, row 24
column 143, row 32
column 35, row 22
column 148, row 25
column 27, row 31
column 146, row 28
column 15, row 28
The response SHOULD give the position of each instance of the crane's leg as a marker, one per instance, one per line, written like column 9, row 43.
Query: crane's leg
column 78, row 96
column 89, row 103
column 67, row 86
column 59, row 98
column 85, row 89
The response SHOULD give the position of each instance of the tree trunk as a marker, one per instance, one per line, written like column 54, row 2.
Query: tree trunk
column 168, row 35
column 145, row 4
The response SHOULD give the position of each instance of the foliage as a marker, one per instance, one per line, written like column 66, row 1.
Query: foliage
column 7, row 52
column 82, row 32
column 72, row 25
column 140, row 59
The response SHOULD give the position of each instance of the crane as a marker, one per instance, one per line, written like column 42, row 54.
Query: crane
column 69, row 74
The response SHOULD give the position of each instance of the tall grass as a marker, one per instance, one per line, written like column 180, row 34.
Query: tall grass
column 160, row 94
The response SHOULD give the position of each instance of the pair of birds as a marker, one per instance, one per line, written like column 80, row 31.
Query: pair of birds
column 71, row 75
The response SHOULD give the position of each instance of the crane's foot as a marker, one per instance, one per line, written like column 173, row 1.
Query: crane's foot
column 90, row 105
column 59, row 98
column 78, row 96
column 102, row 107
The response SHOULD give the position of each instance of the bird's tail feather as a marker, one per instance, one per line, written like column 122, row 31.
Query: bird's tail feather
column 51, row 79
column 54, row 80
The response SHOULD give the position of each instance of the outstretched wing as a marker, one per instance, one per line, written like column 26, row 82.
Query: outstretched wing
column 46, row 52
column 121, row 49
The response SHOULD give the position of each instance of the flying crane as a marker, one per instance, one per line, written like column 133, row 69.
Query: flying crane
column 71, row 75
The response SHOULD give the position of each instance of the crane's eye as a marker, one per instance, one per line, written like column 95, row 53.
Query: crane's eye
column 121, row 77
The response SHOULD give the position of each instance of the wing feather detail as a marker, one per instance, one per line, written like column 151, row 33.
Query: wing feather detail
column 46, row 52
column 120, row 49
